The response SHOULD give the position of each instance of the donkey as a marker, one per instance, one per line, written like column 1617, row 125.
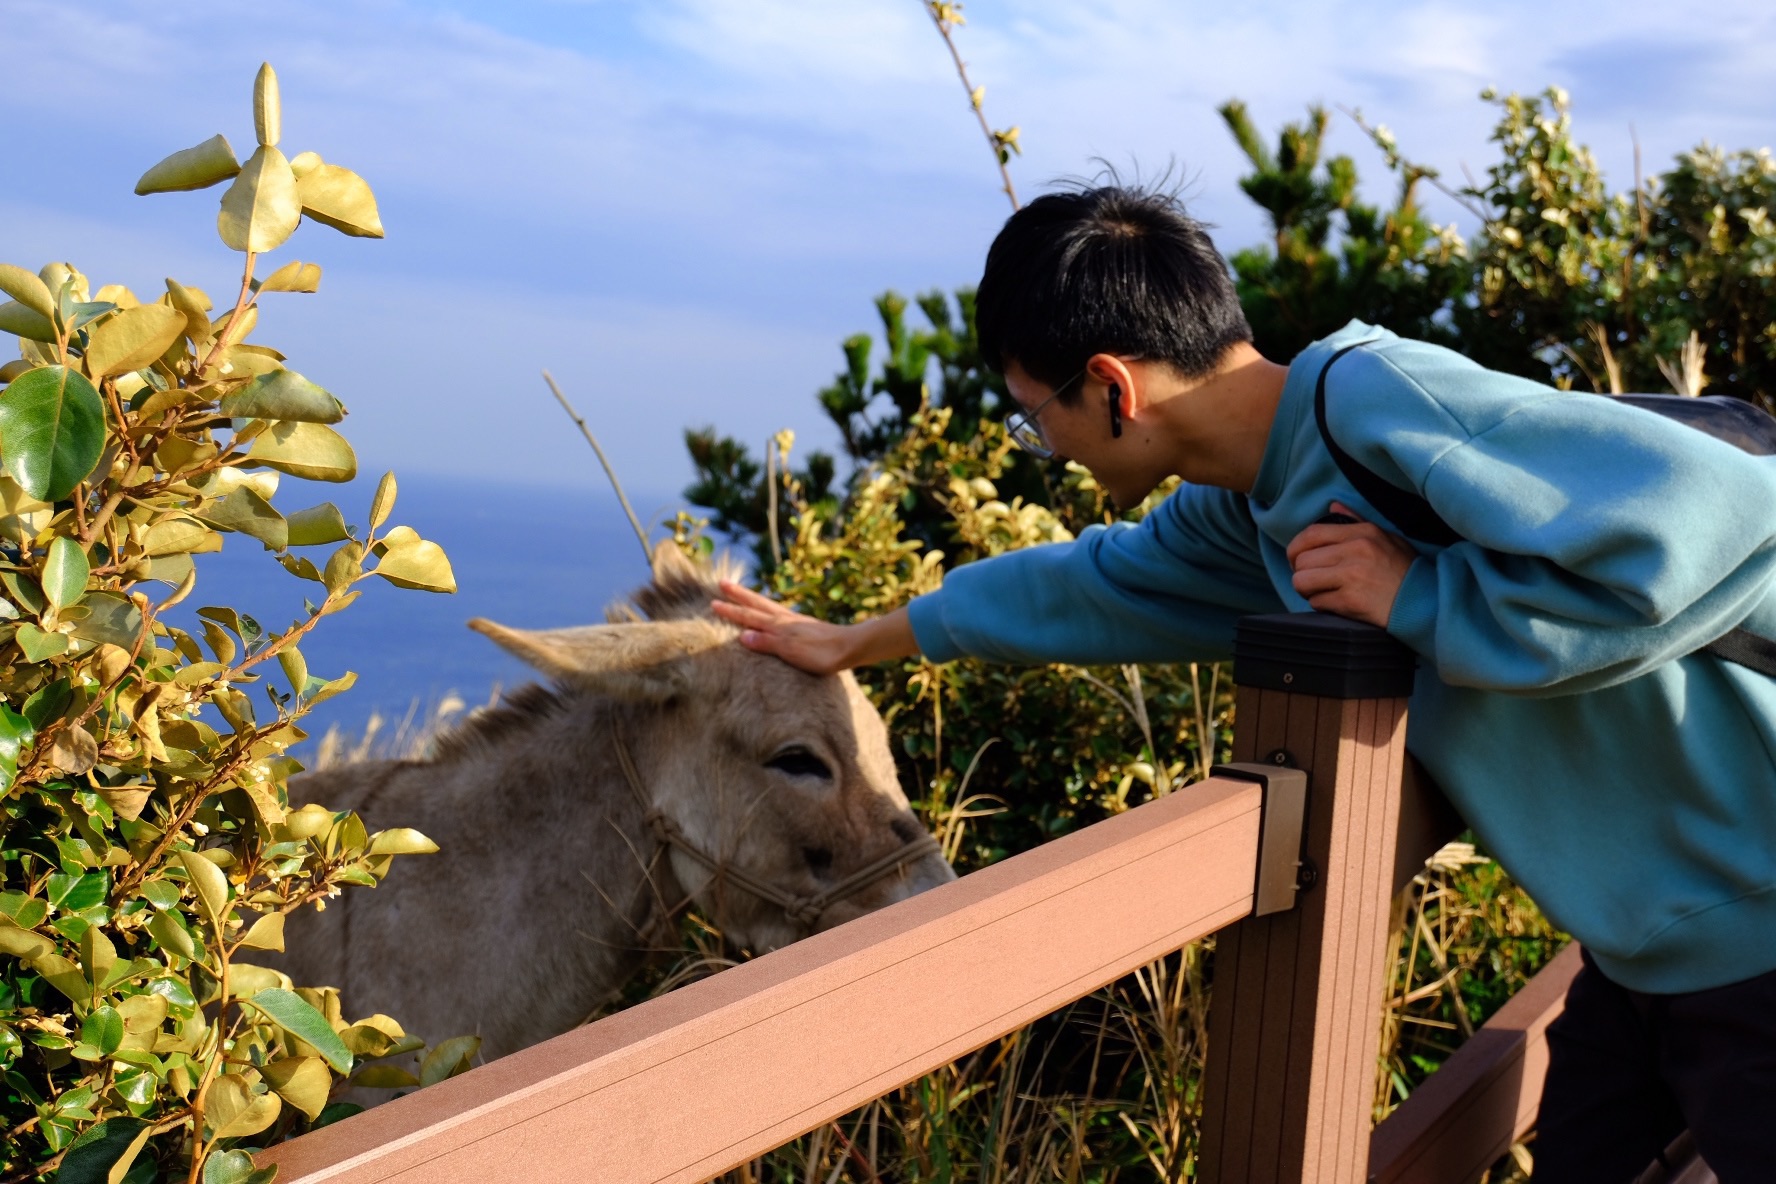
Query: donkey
column 667, row 765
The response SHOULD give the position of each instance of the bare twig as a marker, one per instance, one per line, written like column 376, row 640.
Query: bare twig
column 1418, row 170
column 946, row 16
column 771, row 453
column 640, row 533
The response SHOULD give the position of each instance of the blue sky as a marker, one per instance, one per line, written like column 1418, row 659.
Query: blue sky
column 682, row 206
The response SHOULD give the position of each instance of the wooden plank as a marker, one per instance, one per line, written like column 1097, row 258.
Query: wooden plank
column 1427, row 821
column 1484, row 1098
column 688, row 1085
column 1292, row 1047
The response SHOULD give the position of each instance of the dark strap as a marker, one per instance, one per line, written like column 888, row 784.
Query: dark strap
column 1410, row 514
column 1415, row 518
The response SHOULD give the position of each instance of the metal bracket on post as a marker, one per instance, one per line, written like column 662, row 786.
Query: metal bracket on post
column 1283, row 820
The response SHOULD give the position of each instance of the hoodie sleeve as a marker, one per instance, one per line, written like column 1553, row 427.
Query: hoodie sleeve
column 1599, row 540
column 1168, row 589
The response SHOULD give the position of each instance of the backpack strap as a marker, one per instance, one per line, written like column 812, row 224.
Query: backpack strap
column 1415, row 518
column 1409, row 513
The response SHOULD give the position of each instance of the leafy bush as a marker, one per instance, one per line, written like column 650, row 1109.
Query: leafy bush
column 148, row 839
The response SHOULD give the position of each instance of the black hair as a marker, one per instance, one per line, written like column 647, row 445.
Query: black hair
column 1107, row 269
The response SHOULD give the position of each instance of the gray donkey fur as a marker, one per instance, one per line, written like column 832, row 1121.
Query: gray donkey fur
column 540, row 904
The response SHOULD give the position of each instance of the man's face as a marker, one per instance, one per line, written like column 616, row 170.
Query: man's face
column 1078, row 428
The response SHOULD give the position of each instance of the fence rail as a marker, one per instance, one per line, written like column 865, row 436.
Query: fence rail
column 686, row 1086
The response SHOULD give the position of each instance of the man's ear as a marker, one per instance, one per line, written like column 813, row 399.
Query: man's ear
column 648, row 661
column 1112, row 371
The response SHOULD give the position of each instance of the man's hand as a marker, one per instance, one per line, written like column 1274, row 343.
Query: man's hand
column 1352, row 570
column 817, row 647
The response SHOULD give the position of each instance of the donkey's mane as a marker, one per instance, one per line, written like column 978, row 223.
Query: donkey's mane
column 678, row 592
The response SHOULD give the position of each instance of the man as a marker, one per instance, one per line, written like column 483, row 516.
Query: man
column 1625, row 779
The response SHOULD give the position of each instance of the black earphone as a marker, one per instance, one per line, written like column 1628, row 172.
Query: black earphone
column 1115, row 411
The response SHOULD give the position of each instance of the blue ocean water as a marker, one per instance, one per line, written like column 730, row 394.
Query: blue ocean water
column 526, row 556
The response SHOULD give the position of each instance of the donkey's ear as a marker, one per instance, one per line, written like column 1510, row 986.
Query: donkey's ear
column 645, row 662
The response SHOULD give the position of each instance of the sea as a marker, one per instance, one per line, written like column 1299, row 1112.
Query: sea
column 532, row 557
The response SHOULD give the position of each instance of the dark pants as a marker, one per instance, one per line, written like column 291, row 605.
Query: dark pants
column 1628, row 1072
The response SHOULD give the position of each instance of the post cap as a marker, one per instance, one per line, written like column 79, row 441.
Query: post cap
column 1320, row 654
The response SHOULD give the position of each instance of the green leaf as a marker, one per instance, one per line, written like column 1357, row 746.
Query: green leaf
column 65, row 573
column 39, row 645
column 27, row 912
column 383, row 504
column 48, row 702
column 341, row 199
column 235, row 1167
column 23, row 321
column 52, row 431
column 317, row 525
column 111, row 618
column 401, row 840
column 102, row 1028
column 413, row 562
column 310, row 450
column 245, row 511
column 24, row 591
column 209, row 883
column 193, row 168
column 283, row 395
column 28, row 289
column 261, row 209
column 132, row 339
column 65, row 977
column 267, row 933
column 161, row 894
column 102, row 1154
column 288, row 1011
column 15, row 732
column 73, row 893
column 449, row 1058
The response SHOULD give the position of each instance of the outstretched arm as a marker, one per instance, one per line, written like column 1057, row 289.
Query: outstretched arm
column 819, row 647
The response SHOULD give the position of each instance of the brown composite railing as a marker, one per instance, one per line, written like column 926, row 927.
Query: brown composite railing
column 691, row 1084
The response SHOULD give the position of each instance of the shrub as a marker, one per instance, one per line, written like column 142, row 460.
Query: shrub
column 149, row 841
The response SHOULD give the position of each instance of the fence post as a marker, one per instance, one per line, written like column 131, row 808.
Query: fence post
column 1295, row 1013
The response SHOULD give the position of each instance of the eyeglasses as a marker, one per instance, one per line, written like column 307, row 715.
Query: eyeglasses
column 1025, row 429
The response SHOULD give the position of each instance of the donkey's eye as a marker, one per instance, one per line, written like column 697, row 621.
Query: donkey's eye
column 799, row 762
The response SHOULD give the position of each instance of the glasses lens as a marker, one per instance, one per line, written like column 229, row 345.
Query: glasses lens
column 1026, row 433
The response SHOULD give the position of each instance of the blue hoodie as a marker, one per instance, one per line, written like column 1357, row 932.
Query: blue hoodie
column 1627, row 783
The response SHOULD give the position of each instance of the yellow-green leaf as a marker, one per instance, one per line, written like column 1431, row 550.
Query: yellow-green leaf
column 39, row 645
column 268, row 108
column 293, row 277
column 180, row 535
column 23, row 321
column 132, row 339
column 260, row 210
column 384, row 1077
column 64, row 976
column 22, row 943
column 210, row 885
column 193, row 305
column 417, row 563
column 304, row 163
column 401, row 840
column 194, row 168
column 283, row 395
column 316, row 525
column 267, row 933
column 310, row 450
column 232, row 1110
column 245, row 511
column 383, row 504
column 339, row 198
column 449, row 1058
column 28, row 289
column 304, row 1082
